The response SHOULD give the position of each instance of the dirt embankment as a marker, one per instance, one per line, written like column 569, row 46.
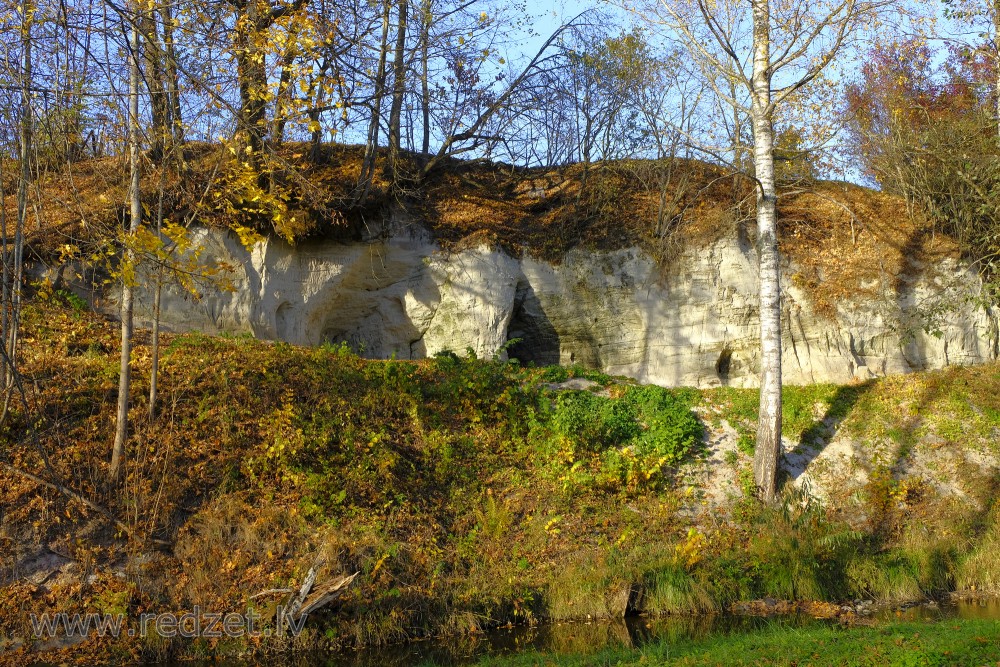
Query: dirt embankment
column 843, row 238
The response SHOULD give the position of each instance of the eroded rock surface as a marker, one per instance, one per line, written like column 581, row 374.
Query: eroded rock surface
column 691, row 323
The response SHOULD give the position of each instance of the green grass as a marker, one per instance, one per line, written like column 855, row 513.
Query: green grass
column 960, row 405
column 805, row 410
column 953, row 643
column 980, row 569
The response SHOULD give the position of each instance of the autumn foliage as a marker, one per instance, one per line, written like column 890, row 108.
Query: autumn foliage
column 925, row 128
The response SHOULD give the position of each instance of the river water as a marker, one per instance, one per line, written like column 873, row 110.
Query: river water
column 583, row 638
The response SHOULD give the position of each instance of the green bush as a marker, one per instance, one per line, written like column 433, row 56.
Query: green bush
column 668, row 427
column 623, row 441
column 591, row 422
column 592, row 374
column 554, row 374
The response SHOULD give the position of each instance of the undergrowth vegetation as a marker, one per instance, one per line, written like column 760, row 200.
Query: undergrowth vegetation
column 466, row 492
column 623, row 441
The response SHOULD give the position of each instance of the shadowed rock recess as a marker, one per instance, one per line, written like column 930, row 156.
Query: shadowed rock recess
column 691, row 323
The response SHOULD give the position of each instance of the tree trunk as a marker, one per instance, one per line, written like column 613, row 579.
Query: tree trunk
column 317, row 93
column 251, row 74
column 128, row 263
column 13, row 250
column 253, row 18
column 26, row 149
column 426, row 19
column 371, row 146
column 996, row 60
column 283, row 99
column 6, row 372
column 153, row 57
column 154, row 370
column 173, row 82
column 996, row 85
column 398, row 91
column 154, row 352
column 768, row 450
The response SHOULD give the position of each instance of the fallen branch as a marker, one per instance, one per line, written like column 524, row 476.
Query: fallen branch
column 327, row 593
column 292, row 611
column 309, row 600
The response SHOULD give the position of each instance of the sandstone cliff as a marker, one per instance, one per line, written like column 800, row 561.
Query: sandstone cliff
column 692, row 322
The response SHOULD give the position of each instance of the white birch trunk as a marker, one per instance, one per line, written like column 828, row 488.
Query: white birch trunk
column 12, row 330
column 768, row 449
column 154, row 362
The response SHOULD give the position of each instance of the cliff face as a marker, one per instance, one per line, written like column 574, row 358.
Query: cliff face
column 691, row 323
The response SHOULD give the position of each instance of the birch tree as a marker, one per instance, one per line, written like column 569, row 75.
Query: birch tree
column 128, row 261
column 392, row 167
column 767, row 50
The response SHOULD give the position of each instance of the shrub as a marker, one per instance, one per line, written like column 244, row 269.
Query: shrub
column 668, row 427
column 623, row 441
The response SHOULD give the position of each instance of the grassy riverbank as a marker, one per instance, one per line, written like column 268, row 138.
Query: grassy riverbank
column 467, row 493
column 954, row 643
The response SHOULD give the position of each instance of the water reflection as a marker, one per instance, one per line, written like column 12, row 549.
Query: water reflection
column 587, row 638
column 564, row 638
column 978, row 608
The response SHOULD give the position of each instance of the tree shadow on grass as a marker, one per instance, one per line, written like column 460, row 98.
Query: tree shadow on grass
column 814, row 439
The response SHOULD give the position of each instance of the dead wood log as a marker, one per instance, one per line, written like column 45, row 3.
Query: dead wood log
column 311, row 597
column 326, row 593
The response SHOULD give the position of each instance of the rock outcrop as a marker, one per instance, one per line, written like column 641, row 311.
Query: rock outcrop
column 691, row 323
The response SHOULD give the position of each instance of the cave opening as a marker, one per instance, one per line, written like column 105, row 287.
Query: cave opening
column 723, row 364
column 283, row 319
column 537, row 341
